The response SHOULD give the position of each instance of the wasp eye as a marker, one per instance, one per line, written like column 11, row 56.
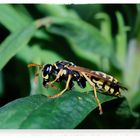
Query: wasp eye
column 47, row 69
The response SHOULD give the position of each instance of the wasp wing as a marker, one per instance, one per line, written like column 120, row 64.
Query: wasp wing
column 97, row 75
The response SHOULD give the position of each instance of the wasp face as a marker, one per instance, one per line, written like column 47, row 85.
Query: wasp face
column 46, row 71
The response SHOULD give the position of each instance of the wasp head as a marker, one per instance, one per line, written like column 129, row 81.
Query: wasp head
column 46, row 71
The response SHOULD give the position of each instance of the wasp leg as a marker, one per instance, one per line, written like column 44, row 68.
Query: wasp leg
column 66, row 87
column 95, row 93
column 54, row 87
column 45, row 84
column 57, row 77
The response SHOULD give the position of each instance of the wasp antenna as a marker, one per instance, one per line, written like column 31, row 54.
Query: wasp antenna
column 34, row 65
column 37, row 73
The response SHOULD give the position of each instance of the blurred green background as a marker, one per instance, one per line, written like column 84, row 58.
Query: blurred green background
column 102, row 37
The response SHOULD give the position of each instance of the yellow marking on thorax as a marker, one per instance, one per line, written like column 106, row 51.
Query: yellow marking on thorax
column 64, row 72
column 55, row 66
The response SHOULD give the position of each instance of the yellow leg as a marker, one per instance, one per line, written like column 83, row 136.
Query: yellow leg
column 57, row 77
column 67, row 86
column 95, row 93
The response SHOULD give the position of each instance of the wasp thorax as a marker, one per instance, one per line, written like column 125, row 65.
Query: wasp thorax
column 64, row 63
column 47, row 69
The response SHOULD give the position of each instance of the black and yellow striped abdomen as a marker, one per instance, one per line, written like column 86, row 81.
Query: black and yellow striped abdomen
column 106, row 83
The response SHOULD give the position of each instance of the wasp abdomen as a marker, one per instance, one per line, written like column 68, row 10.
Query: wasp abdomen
column 108, row 85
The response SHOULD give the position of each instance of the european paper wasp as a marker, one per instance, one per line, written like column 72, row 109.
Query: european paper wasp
column 70, row 73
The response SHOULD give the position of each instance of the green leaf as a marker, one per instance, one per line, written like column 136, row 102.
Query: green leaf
column 117, row 115
column 24, row 13
column 1, row 83
column 10, row 18
column 35, row 54
column 132, row 72
column 15, row 42
column 38, row 111
column 56, row 10
column 84, row 38
column 105, row 26
column 121, row 40
column 137, row 23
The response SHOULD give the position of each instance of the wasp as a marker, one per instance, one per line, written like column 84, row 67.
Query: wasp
column 70, row 73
